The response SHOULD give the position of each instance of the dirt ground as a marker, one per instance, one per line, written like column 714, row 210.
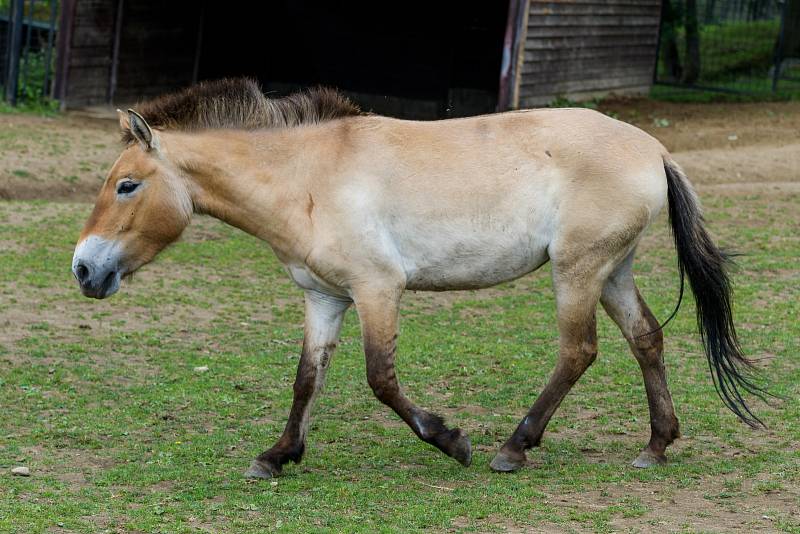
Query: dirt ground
column 744, row 146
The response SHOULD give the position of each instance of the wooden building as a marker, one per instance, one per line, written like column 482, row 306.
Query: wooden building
column 415, row 58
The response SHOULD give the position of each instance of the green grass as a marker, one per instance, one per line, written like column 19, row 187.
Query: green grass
column 43, row 107
column 101, row 400
column 786, row 91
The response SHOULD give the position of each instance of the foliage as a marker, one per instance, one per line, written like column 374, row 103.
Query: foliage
column 41, row 8
column 30, row 97
column 735, row 52
column 40, row 106
column 735, row 49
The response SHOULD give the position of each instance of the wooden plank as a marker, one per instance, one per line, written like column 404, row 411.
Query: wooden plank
column 576, row 68
column 598, row 52
column 564, row 88
column 653, row 3
column 592, row 21
column 84, row 81
column 588, row 79
column 94, row 19
column 90, row 60
column 535, row 32
column 573, row 69
column 551, row 8
column 589, row 41
column 85, row 37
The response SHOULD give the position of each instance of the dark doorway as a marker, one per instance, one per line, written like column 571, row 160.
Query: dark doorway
column 412, row 59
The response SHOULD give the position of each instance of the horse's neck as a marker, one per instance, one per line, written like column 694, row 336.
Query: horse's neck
column 240, row 179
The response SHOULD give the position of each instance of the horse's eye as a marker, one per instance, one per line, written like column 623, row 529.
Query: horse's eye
column 126, row 187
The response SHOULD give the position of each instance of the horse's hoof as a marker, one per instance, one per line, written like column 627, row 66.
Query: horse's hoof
column 648, row 459
column 462, row 448
column 505, row 463
column 261, row 470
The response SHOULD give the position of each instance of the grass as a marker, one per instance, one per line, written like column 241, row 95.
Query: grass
column 787, row 91
column 102, row 402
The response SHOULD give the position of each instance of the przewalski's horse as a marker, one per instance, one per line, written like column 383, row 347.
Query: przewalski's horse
column 361, row 207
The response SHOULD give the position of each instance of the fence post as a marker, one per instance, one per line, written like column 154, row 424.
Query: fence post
column 15, row 42
column 27, row 50
column 48, row 56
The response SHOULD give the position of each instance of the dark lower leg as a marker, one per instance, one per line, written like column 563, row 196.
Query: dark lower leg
column 427, row 426
column 324, row 317
column 576, row 354
column 626, row 307
column 664, row 427
column 291, row 445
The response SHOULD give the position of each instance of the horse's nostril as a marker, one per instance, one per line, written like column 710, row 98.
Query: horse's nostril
column 81, row 272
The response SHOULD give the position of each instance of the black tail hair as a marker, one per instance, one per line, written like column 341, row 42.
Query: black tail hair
column 707, row 266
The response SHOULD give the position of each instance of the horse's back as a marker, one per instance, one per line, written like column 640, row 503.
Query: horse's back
column 470, row 203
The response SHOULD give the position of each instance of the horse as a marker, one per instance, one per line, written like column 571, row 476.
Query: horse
column 361, row 207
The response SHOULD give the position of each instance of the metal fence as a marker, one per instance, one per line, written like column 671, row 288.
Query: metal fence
column 741, row 46
column 27, row 41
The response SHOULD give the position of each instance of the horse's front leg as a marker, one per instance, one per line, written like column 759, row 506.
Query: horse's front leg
column 324, row 315
column 378, row 312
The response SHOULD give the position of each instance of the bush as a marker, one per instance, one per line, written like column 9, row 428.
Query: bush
column 735, row 49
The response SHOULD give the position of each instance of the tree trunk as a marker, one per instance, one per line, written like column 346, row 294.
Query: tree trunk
column 669, row 43
column 710, row 7
column 791, row 29
column 691, row 71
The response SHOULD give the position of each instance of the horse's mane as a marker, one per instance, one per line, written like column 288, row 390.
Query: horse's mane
column 239, row 103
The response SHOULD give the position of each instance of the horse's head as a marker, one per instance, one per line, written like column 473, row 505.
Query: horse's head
column 143, row 206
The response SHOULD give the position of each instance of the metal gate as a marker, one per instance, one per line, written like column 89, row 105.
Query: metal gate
column 737, row 46
column 27, row 41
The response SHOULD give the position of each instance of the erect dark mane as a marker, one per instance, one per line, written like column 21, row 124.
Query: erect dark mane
column 239, row 103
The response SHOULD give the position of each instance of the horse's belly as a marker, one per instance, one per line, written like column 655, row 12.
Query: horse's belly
column 471, row 262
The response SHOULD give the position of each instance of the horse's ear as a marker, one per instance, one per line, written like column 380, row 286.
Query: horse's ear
column 141, row 130
column 124, row 121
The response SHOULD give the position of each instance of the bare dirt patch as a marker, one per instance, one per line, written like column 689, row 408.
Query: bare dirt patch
column 707, row 126
column 55, row 158
column 753, row 167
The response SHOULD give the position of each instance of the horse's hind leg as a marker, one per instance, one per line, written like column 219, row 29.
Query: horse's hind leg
column 622, row 301
column 577, row 292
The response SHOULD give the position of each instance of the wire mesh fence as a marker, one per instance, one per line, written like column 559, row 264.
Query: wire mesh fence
column 27, row 49
column 742, row 46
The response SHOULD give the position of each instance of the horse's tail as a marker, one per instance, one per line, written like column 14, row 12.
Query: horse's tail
column 707, row 266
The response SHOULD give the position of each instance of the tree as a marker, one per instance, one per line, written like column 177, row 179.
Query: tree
column 791, row 30
column 691, row 70
column 670, row 15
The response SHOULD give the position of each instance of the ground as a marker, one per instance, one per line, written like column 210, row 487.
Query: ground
column 103, row 401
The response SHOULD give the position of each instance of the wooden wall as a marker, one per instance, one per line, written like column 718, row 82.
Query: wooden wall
column 156, row 49
column 88, row 60
column 582, row 48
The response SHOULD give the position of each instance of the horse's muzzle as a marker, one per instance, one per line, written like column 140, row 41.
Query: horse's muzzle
column 96, row 266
